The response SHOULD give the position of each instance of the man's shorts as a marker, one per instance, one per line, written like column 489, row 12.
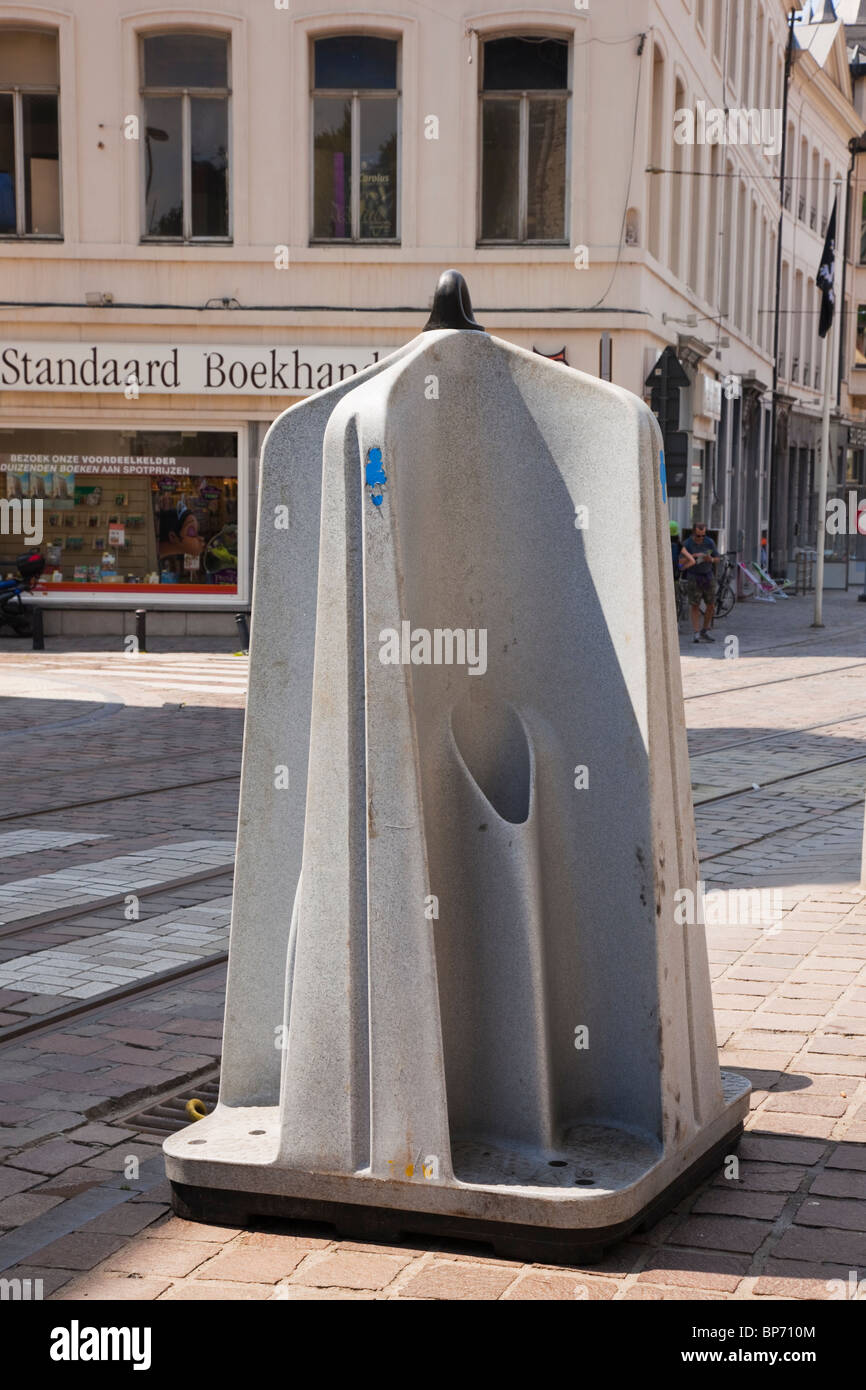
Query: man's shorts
column 700, row 589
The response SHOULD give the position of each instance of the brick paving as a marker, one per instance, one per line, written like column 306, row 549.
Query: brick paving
column 108, row 1062
column 161, row 903
column 97, row 882
column 16, row 842
column 122, row 956
column 790, row 998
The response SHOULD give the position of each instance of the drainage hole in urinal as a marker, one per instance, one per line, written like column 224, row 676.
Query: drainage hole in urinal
column 258, row 1131
column 584, row 1182
column 198, row 1141
column 556, row 1163
column 492, row 743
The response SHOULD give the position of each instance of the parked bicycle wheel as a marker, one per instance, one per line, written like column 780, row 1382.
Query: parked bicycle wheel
column 725, row 600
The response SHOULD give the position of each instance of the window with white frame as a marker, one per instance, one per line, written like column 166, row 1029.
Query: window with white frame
column 356, row 141
column 524, row 140
column 29, row 134
column 185, row 136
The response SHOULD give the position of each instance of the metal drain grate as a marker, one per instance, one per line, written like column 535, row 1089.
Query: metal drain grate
column 168, row 1116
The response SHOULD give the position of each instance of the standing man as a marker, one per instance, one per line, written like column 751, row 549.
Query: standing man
column 676, row 547
column 698, row 559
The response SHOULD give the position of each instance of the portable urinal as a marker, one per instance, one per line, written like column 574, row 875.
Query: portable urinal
column 460, row 998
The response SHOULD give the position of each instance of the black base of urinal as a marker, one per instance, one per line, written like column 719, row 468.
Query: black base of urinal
column 529, row 1244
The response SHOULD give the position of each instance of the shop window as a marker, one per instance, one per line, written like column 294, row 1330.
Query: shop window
column 863, row 230
column 123, row 509
column 185, row 94
column 524, row 140
column 29, row 134
column 355, row 122
column 860, row 345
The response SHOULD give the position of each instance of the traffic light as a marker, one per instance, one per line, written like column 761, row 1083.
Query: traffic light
column 664, row 384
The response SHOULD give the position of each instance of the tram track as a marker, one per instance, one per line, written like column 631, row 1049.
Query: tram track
column 54, row 916
column 795, row 730
column 89, row 1008
column 777, row 680
column 782, row 830
column 55, row 809
column 786, row 777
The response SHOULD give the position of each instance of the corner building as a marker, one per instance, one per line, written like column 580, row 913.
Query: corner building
column 207, row 215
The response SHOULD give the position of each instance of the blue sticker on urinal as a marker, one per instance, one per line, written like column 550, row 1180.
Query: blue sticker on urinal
column 663, row 475
column 374, row 476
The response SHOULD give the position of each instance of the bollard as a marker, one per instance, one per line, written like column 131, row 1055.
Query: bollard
column 462, row 998
column 141, row 628
column 243, row 631
column 37, row 629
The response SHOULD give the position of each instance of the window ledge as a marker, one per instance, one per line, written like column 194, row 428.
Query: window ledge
column 521, row 245
column 179, row 241
column 344, row 244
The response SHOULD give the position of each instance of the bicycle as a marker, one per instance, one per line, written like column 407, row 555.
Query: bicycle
column 725, row 594
column 681, row 590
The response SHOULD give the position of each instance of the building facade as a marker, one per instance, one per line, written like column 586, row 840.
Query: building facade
column 822, row 123
column 850, row 475
column 206, row 214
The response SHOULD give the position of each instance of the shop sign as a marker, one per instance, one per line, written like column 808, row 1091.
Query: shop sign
column 711, row 399
column 185, row 370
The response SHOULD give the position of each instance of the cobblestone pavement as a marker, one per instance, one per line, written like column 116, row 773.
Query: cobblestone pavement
column 779, row 767
column 22, row 900
column 90, row 967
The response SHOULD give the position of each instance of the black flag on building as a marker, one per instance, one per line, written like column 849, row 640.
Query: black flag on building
column 824, row 278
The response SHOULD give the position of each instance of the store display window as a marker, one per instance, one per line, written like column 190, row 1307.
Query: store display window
column 149, row 509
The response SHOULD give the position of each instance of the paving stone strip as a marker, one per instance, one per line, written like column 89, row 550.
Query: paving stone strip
column 71, row 888
column 83, row 969
column 15, row 842
column 124, row 841
column 218, row 675
column 95, row 921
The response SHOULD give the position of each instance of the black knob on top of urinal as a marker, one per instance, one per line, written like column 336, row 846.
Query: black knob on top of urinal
column 452, row 307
